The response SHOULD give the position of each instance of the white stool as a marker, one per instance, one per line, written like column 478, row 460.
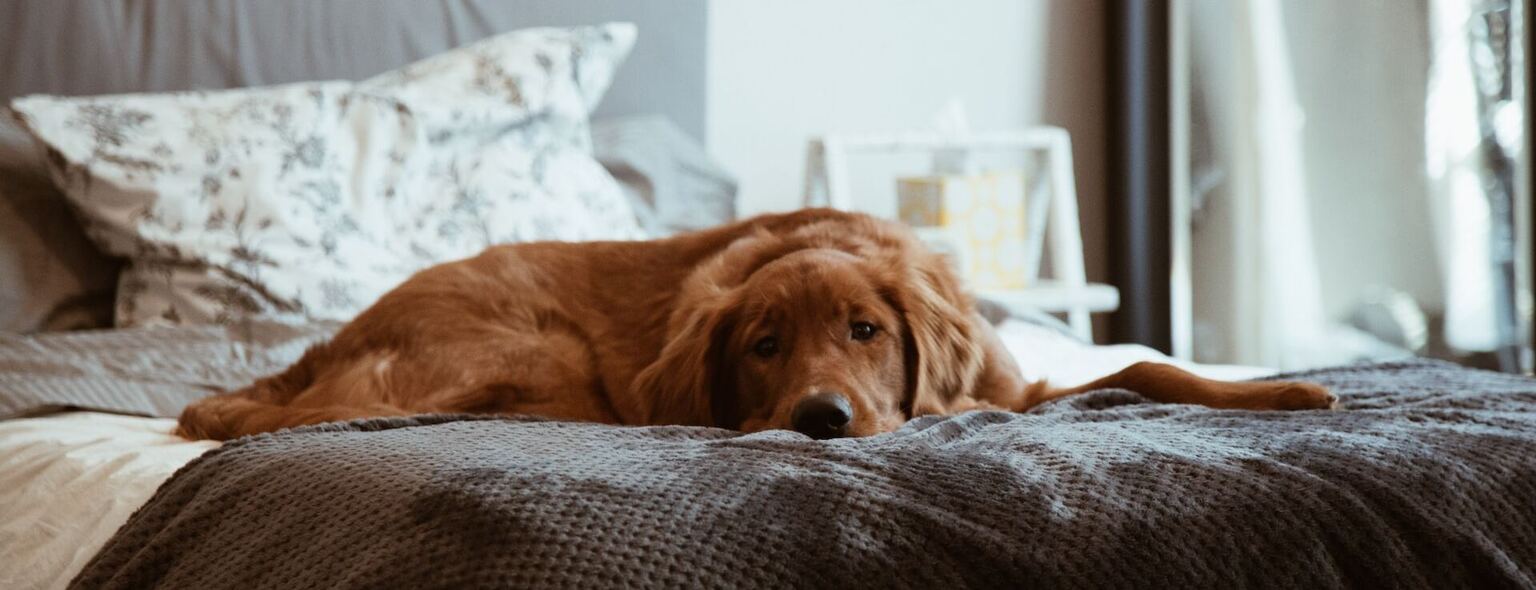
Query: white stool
column 1053, row 213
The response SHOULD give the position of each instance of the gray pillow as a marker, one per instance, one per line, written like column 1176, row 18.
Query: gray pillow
column 51, row 276
column 672, row 184
column 996, row 313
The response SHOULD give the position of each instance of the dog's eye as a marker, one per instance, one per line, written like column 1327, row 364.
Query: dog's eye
column 766, row 347
column 864, row 330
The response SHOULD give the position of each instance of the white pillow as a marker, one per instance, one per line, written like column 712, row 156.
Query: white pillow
column 309, row 201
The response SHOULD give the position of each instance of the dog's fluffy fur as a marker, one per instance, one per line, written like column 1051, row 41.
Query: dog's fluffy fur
column 726, row 327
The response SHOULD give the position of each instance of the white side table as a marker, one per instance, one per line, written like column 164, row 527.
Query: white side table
column 1053, row 213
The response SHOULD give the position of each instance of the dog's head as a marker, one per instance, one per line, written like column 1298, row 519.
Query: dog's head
column 825, row 331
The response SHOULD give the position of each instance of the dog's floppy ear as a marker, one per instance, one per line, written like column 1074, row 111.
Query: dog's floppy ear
column 680, row 386
column 683, row 384
column 944, row 358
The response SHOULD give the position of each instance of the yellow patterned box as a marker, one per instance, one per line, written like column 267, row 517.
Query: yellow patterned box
column 981, row 215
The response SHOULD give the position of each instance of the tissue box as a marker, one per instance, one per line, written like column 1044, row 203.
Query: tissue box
column 980, row 216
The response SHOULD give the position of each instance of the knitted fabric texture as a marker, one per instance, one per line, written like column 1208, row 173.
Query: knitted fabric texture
column 1425, row 478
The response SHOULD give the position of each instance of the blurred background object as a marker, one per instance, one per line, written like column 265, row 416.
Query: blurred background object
column 1355, row 181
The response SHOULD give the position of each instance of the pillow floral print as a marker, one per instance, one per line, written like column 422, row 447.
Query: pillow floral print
column 308, row 201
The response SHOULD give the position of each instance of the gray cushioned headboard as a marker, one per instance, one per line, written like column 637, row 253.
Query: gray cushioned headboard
column 51, row 277
column 77, row 47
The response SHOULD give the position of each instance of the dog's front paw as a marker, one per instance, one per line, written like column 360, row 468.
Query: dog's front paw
column 1295, row 395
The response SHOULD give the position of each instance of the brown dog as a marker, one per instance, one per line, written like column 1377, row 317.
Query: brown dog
column 829, row 323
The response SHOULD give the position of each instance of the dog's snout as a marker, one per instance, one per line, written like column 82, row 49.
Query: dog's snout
column 822, row 415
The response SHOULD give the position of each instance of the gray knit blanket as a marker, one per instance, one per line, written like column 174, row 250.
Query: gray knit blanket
column 1425, row 478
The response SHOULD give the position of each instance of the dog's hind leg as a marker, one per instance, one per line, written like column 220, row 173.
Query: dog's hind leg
column 233, row 415
column 553, row 375
column 298, row 396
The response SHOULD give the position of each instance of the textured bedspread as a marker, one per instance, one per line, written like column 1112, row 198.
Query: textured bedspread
column 1427, row 478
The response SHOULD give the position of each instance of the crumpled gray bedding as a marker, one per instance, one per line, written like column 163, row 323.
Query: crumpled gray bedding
column 1426, row 478
column 145, row 371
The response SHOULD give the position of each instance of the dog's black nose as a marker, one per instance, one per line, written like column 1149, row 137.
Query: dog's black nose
column 822, row 415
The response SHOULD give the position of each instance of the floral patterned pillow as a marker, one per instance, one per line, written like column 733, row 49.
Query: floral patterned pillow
column 309, row 201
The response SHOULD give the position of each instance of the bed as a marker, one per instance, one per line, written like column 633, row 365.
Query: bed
column 74, row 477
column 1424, row 478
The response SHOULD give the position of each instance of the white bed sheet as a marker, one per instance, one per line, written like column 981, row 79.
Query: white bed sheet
column 68, row 481
column 1043, row 353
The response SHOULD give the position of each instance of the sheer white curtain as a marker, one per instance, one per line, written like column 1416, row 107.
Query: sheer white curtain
column 1350, row 161
column 1462, row 218
column 1266, row 309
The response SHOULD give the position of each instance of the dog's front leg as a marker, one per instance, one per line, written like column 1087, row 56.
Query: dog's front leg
column 1169, row 384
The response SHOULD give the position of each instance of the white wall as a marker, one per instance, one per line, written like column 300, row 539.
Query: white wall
column 781, row 72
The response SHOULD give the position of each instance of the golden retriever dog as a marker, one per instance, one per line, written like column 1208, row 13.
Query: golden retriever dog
column 828, row 323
